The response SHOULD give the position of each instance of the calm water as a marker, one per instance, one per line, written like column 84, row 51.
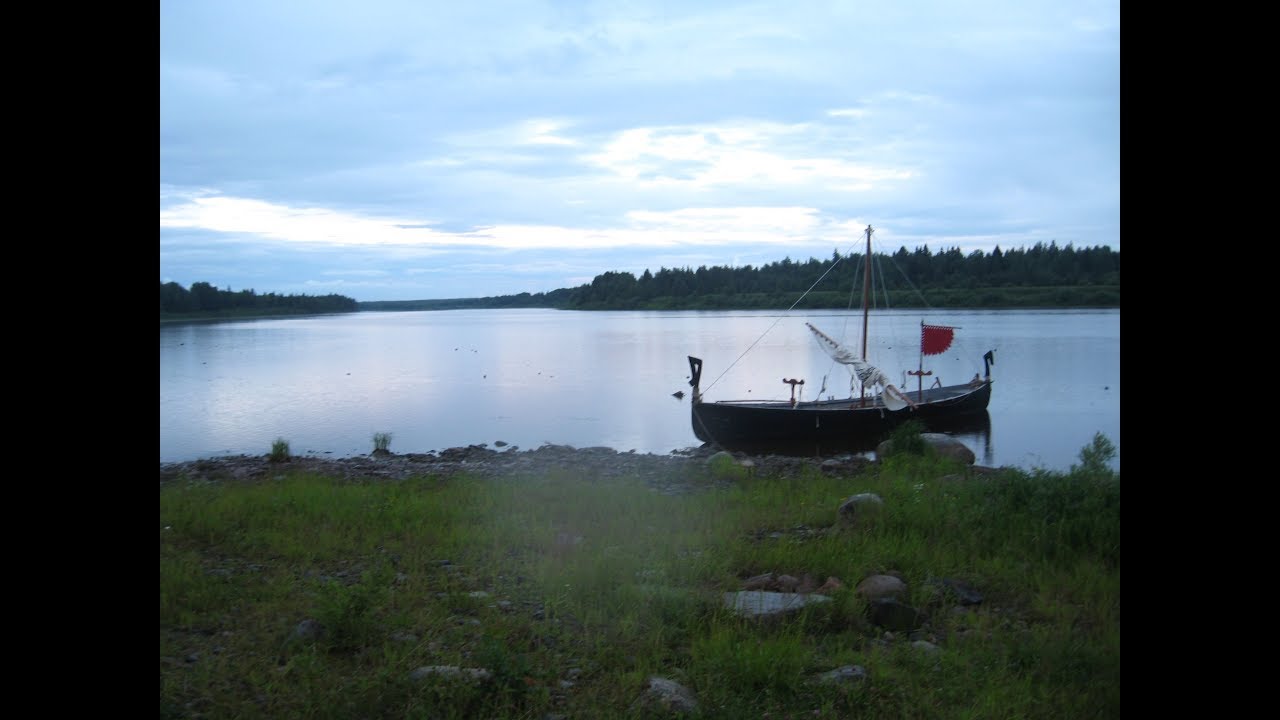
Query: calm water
column 444, row 379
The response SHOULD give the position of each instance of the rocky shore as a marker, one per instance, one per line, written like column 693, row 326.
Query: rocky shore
column 666, row 472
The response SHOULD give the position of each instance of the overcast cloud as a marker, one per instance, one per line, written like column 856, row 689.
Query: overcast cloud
column 392, row 150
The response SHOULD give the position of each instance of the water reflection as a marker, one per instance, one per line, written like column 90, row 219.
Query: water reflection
column 973, row 430
column 447, row 379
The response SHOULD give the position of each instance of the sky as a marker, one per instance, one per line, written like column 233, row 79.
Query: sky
column 406, row 150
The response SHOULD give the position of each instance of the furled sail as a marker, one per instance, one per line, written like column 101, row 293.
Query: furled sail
column 868, row 374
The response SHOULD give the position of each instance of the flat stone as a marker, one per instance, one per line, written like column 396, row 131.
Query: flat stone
column 846, row 674
column 451, row 672
column 761, row 603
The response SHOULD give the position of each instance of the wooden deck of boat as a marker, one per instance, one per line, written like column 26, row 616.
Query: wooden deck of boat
column 931, row 395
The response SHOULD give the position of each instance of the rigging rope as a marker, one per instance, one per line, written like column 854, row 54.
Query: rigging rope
column 877, row 269
column 775, row 322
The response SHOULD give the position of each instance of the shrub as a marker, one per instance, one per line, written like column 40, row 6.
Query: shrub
column 905, row 439
column 280, row 450
column 381, row 442
column 1096, row 456
column 348, row 612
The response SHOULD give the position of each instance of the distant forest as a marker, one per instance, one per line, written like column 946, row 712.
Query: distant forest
column 205, row 300
column 1042, row 276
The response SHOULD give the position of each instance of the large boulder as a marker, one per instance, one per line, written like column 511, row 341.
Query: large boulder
column 944, row 445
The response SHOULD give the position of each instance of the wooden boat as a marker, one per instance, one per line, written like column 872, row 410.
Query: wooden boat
column 858, row 420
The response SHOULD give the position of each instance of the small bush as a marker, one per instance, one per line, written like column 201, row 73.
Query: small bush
column 905, row 439
column 280, row 450
column 349, row 612
column 510, row 669
column 381, row 442
column 1095, row 457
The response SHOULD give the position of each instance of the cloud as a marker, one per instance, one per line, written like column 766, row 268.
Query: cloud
column 303, row 140
column 321, row 226
column 755, row 152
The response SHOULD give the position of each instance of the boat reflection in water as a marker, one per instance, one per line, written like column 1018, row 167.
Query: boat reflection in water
column 974, row 430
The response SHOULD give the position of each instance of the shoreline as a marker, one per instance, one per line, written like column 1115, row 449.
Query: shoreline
column 680, row 471
column 664, row 471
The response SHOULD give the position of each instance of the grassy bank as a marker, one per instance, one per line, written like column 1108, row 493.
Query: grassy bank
column 573, row 591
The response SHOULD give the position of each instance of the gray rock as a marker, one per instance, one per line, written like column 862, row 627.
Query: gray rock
column 763, row 604
column 944, row 445
column 723, row 456
column 925, row 645
column 859, row 508
column 451, row 672
column 893, row 615
column 881, row 586
column 668, row 695
column 725, row 467
column 845, row 674
column 949, row 447
column 308, row 630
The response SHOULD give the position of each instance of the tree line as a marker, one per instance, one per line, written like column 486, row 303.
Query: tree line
column 204, row 299
column 1044, row 275
column 555, row 299
column 1041, row 276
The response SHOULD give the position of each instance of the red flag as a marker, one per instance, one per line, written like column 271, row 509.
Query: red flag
column 935, row 339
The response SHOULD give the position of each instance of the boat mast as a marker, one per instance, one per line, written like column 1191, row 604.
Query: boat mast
column 866, row 305
column 920, row 373
column 866, row 291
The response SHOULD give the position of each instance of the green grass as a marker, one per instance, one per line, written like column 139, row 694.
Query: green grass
column 604, row 582
column 906, row 439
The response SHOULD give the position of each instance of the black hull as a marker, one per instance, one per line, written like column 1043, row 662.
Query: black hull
column 834, row 423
